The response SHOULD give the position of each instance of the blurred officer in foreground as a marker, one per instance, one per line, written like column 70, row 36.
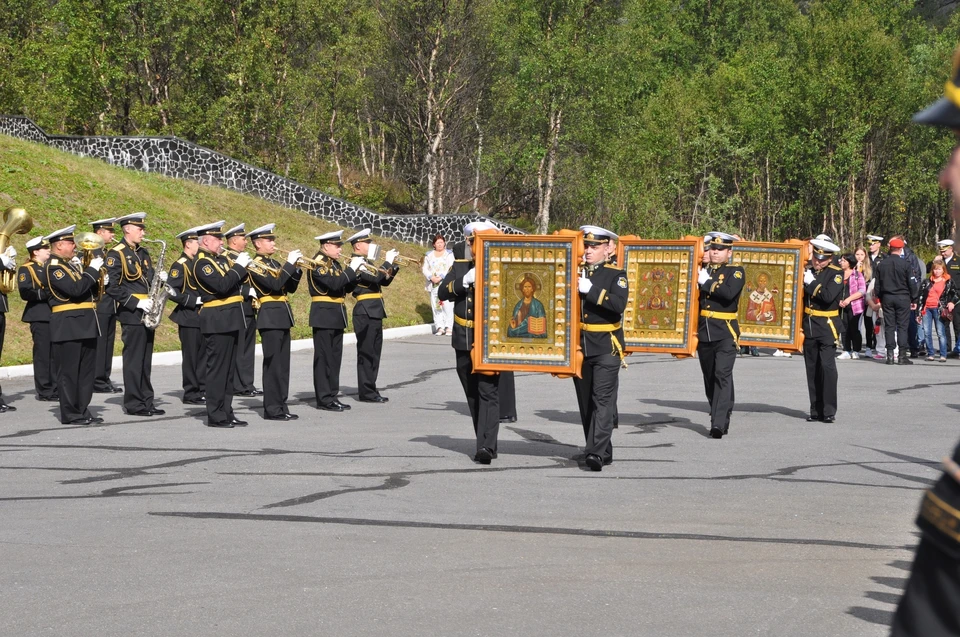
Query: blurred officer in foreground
column 930, row 603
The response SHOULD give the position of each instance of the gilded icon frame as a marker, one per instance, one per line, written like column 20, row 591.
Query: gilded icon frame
column 526, row 288
column 770, row 313
column 662, row 305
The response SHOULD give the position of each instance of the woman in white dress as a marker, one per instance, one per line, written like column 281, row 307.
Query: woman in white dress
column 436, row 263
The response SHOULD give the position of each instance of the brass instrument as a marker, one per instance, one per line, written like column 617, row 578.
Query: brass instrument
column 261, row 268
column 375, row 251
column 303, row 262
column 90, row 242
column 15, row 221
column 159, row 290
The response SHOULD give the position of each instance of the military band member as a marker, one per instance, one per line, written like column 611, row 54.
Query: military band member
column 186, row 314
column 106, row 317
column 73, row 326
column 236, row 242
column 481, row 390
column 932, row 596
column 718, row 329
column 34, row 289
column 822, row 291
column 221, row 320
column 368, row 315
column 274, row 281
column 7, row 262
column 130, row 273
column 603, row 298
column 329, row 285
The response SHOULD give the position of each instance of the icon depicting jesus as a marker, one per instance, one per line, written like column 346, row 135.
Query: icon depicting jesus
column 529, row 315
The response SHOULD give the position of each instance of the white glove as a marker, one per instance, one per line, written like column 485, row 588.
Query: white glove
column 294, row 256
column 96, row 263
column 163, row 276
column 199, row 302
column 11, row 252
column 391, row 256
column 253, row 293
column 808, row 277
column 76, row 261
column 470, row 277
column 106, row 279
column 584, row 285
column 703, row 277
column 145, row 304
column 243, row 259
column 356, row 262
column 7, row 262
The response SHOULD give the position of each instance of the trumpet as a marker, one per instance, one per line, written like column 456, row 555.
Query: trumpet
column 90, row 242
column 375, row 251
column 303, row 262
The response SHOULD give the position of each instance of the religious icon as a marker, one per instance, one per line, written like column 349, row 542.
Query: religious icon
column 529, row 316
column 538, row 256
column 760, row 305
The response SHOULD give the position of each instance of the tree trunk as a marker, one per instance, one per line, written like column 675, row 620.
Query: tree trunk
column 545, row 173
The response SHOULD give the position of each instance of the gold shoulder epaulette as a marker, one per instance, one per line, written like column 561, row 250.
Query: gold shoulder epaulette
column 182, row 260
column 834, row 267
column 118, row 247
column 612, row 266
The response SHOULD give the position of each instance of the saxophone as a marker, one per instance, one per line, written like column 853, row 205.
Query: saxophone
column 159, row 290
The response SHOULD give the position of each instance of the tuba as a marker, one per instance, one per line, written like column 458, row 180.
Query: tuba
column 15, row 221
column 90, row 242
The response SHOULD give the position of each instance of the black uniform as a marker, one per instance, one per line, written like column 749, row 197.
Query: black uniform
column 107, row 319
column 368, row 315
column 187, row 317
column 73, row 331
column 32, row 283
column 131, row 271
column 896, row 287
column 719, row 333
column 247, row 354
column 329, row 284
column 953, row 269
column 274, row 321
column 821, row 329
column 601, row 337
column 930, row 602
column 481, row 390
column 221, row 321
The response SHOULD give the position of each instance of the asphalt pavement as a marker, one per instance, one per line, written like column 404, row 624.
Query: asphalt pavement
column 376, row 521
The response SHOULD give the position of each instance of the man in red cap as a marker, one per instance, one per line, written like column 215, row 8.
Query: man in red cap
column 896, row 287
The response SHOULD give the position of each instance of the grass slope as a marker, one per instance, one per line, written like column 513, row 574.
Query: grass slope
column 58, row 189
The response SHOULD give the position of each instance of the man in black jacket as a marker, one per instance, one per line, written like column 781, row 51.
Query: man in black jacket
column 186, row 314
column 273, row 282
column 481, row 390
column 929, row 604
column 236, row 243
column 897, row 288
column 34, row 289
column 822, row 290
column 106, row 317
column 952, row 264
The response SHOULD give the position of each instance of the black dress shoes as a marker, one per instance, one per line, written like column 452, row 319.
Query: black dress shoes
column 157, row 412
column 716, row 433
column 117, row 389
column 814, row 418
column 284, row 417
column 224, row 424
column 145, row 412
column 594, row 462
column 236, row 422
column 198, row 401
column 375, row 399
column 343, row 405
column 250, row 392
column 484, row 456
column 331, row 407
column 48, row 399
column 95, row 420
column 509, row 419
column 87, row 421
column 829, row 419
column 4, row 407
column 103, row 390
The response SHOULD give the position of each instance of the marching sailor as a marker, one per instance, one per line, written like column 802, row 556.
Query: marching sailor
column 822, row 291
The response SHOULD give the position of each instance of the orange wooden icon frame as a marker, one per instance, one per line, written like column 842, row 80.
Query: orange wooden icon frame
column 787, row 335
column 494, row 350
column 688, row 252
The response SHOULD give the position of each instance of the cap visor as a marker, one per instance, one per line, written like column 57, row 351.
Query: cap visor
column 940, row 113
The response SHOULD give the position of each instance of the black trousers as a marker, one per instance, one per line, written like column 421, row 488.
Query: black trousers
column 896, row 323
column 78, row 364
column 716, row 364
column 327, row 355
column 868, row 328
column 369, row 333
column 276, row 371
column 105, row 349
column 929, row 604
column 955, row 342
column 221, row 373
column 508, row 396
column 137, row 367
column 193, row 368
column 246, row 357
column 851, row 331
column 597, row 399
column 482, row 394
column 45, row 365
column 820, row 358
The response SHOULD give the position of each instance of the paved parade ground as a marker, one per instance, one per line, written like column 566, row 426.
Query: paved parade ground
column 377, row 522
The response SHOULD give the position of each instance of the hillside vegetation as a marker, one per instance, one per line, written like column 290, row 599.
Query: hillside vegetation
column 58, row 189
